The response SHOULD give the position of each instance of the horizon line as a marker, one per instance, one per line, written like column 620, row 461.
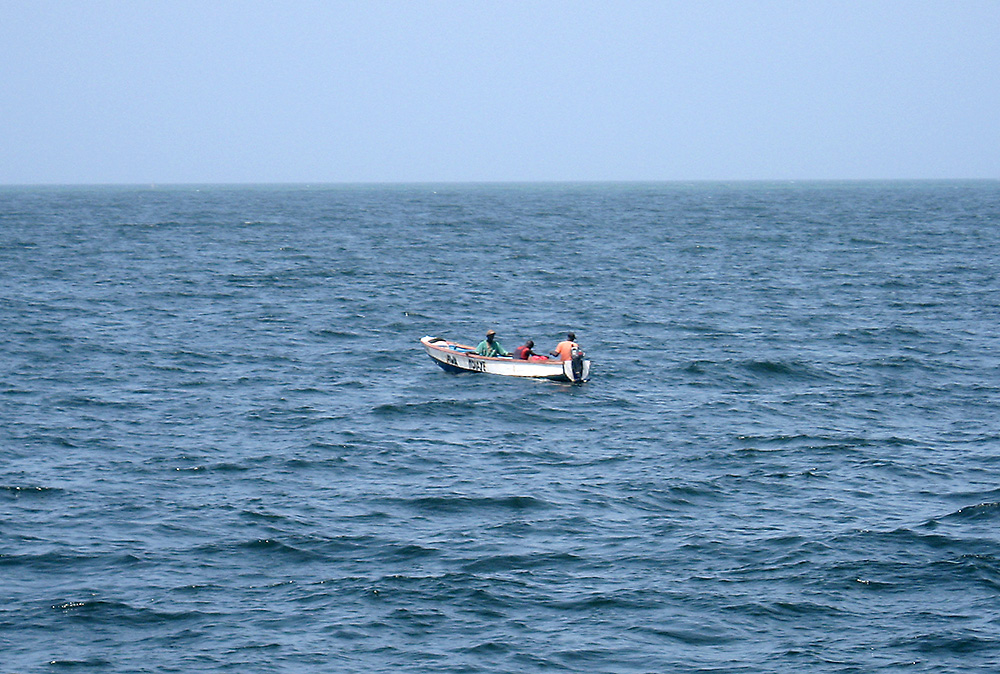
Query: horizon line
column 400, row 183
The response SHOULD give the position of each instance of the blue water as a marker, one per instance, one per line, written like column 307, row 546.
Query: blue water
column 223, row 448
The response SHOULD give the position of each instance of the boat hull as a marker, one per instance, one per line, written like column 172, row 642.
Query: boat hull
column 455, row 357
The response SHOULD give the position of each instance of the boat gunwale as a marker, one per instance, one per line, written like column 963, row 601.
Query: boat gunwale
column 471, row 352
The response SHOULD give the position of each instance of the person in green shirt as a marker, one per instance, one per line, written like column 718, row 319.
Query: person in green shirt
column 490, row 346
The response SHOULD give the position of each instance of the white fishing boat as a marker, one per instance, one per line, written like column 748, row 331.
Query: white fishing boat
column 455, row 357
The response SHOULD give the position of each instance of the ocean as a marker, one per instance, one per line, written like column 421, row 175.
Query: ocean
column 223, row 448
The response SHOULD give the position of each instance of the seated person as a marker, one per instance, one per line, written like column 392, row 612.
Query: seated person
column 525, row 352
column 490, row 347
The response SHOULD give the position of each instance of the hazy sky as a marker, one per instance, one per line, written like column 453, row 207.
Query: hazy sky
column 168, row 91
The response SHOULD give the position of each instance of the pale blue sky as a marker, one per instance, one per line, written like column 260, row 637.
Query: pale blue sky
column 160, row 91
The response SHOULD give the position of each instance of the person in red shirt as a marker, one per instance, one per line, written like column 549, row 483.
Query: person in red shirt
column 525, row 352
column 564, row 350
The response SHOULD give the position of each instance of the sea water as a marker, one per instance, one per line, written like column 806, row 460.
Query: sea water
column 222, row 447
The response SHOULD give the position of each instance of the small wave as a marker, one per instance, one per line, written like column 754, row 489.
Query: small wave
column 760, row 370
column 91, row 663
column 789, row 609
column 913, row 541
column 260, row 547
column 691, row 637
column 866, row 241
column 258, row 516
column 622, row 599
column 47, row 561
column 452, row 504
column 769, row 367
column 703, row 329
column 17, row 491
column 895, row 362
column 979, row 511
column 406, row 552
column 698, row 367
column 973, row 495
column 755, row 442
column 876, row 584
column 348, row 384
column 634, row 321
column 328, row 333
column 431, row 408
column 498, row 563
column 116, row 612
column 487, row 648
column 298, row 463
column 328, row 446
column 274, row 546
column 229, row 467
column 777, row 368
column 952, row 644
column 91, row 401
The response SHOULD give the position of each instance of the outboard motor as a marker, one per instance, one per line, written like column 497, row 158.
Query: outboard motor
column 577, row 365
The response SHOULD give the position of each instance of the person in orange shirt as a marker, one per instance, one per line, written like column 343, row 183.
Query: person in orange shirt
column 564, row 350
